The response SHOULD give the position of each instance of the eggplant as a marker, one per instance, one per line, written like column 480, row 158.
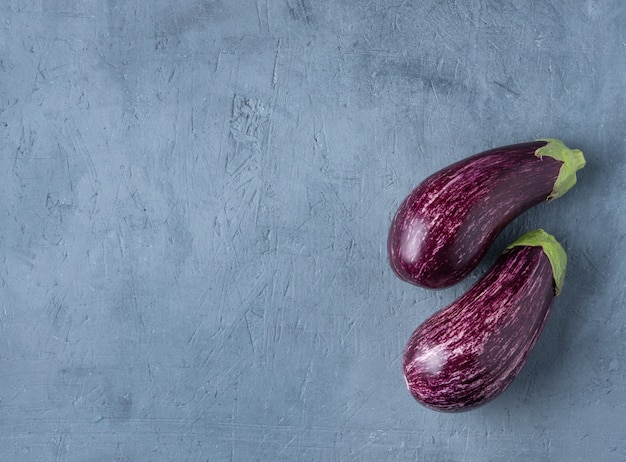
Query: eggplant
column 445, row 226
column 469, row 352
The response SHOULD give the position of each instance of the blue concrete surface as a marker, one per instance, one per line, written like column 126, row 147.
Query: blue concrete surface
column 195, row 198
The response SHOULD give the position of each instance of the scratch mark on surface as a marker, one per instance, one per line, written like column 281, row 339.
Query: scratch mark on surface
column 267, row 11
column 275, row 70
column 363, row 401
column 175, row 18
column 4, row 322
column 467, row 440
column 442, row 33
column 121, row 243
column 353, row 454
column 79, row 146
column 505, row 87
column 306, row 381
column 258, row 14
column 59, row 445
column 249, row 330
column 199, row 306
column 286, row 446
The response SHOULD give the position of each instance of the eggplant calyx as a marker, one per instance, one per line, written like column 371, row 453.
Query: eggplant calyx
column 573, row 160
column 553, row 250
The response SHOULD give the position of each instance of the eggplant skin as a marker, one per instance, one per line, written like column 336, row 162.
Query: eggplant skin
column 469, row 352
column 445, row 226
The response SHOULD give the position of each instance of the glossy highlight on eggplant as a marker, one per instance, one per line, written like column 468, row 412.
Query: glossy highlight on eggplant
column 445, row 226
column 469, row 352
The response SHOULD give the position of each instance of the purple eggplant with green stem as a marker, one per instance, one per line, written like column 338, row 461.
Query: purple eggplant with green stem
column 445, row 226
column 469, row 352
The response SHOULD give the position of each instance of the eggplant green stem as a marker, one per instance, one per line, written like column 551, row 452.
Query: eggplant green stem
column 573, row 160
column 553, row 250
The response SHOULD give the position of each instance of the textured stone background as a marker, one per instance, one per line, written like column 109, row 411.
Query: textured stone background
column 194, row 202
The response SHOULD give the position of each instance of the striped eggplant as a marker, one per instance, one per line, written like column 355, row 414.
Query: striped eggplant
column 446, row 225
column 469, row 352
